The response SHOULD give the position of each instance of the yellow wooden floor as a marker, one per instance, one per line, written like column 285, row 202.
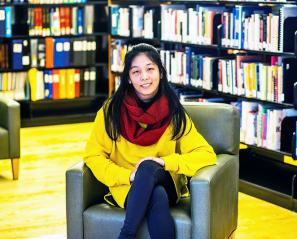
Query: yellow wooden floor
column 34, row 206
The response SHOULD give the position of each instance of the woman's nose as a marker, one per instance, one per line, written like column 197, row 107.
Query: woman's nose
column 144, row 75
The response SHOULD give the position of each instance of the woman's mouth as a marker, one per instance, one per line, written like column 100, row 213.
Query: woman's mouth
column 146, row 85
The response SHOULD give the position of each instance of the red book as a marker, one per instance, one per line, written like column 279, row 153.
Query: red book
column 49, row 52
column 62, row 20
column 56, row 85
column 38, row 21
column 77, row 83
column 67, row 12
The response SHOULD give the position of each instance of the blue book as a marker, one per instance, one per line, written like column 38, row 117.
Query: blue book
column 59, row 52
column 188, row 65
column 242, row 12
column 258, row 90
column 8, row 21
column 115, row 15
column 17, row 54
column 50, row 84
column 46, row 91
column 200, row 67
column 80, row 21
column 66, row 51
column 2, row 21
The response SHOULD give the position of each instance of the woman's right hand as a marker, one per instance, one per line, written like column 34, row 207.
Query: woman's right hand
column 132, row 175
column 157, row 160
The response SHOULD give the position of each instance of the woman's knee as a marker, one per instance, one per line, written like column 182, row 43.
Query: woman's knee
column 148, row 166
column 159, row 195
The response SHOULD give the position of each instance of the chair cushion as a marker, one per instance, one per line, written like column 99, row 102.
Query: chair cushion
column 4, row 144
column 111, row 220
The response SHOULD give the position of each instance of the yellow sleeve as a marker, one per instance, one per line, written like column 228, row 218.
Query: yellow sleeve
column 195, row 153
column 97, row 153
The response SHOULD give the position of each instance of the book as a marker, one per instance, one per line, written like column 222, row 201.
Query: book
column 17, row 54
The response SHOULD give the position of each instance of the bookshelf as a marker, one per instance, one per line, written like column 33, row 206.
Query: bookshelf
column 227, row 51
column 54, row 58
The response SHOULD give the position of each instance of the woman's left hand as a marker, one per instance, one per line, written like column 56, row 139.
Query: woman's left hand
column 157, row 160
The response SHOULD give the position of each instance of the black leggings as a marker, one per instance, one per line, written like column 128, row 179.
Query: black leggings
column 150, row 196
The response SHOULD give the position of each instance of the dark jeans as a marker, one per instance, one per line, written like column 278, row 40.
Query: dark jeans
column 150, row 196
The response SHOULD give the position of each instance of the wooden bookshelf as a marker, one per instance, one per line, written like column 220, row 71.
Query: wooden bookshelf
column 252, row 183
column 86, row 29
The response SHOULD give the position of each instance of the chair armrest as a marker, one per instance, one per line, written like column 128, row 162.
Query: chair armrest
column 82, row 191
column 10, row 120
column 214, row 199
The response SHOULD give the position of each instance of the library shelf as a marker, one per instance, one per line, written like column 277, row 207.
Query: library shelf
column 264, row 173
column 273, row 154
column 58, row 119
column 46, row 112
column 88, row 61
column 232, row 96
column 45, row 5
column 265, row 176
column 218, row 2
column 262, row 52
column 267, row 194
column 55, row 36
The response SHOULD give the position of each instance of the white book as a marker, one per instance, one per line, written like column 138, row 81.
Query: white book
column 88, row 19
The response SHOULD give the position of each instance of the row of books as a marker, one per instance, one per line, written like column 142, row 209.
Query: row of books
column 59, row 21
column 251, row 28
column 192, row 25
column 43, row 1
column 270, row 79
column 243, row 27
column 83, row 1
column 14, row 85
column 261, row 124
column 48, row 84
column 49, row 52
column 62, row 83
column 54, row 1
column 265, row 78
column 142, row 21
column 251, row 76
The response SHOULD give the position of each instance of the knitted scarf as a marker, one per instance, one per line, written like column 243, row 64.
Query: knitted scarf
column 144, row 127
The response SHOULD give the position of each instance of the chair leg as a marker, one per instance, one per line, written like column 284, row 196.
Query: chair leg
column 15, row 165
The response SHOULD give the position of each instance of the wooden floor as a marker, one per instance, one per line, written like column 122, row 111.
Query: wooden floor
column 34, row 206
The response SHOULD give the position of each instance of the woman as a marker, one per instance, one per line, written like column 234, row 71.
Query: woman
column 147, row 147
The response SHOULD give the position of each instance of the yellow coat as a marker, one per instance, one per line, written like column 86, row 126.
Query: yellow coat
column 112, row 162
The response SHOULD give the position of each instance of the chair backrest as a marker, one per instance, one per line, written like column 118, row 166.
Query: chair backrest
column 218, row 123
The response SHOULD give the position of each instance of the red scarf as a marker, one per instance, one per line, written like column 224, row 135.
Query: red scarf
column 156, row 117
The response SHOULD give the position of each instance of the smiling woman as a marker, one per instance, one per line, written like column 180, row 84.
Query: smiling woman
column 147, row 146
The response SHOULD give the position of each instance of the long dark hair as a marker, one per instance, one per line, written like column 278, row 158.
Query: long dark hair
column 112, row 107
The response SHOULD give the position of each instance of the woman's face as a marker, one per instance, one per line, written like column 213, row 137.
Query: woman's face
column 145, row 77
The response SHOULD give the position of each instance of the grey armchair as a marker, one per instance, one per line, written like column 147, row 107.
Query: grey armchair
column 10, row 133
column 210, row 212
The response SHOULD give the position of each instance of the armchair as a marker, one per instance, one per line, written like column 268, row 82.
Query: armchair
column 10, row 133
column 210, row 212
